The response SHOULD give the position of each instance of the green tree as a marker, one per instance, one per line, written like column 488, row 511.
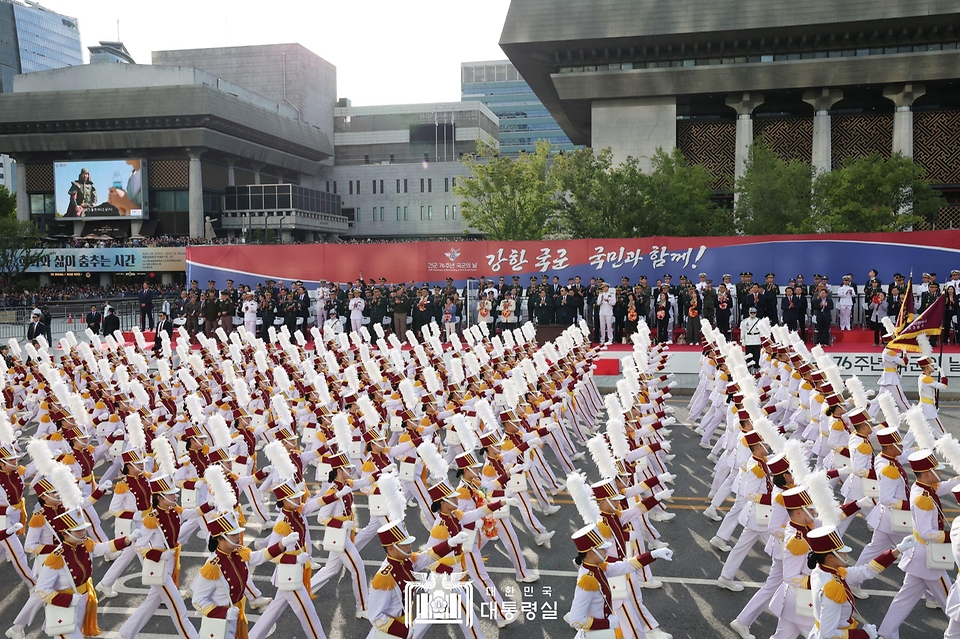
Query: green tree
column 19, row 242
column 596, row 198
column 873, row 194
column 509, row 199
column 773, row 196
column 677, row 197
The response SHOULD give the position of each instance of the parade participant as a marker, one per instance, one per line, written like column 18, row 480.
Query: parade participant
column 792, row 602
column 218, row 591
column 929, row 527
column 159, row 549
column 893, row 499
column 606, row 301
column 893, row 361
column 929, row 383
column 249, row 310
column 831, row 580
column 65, row 578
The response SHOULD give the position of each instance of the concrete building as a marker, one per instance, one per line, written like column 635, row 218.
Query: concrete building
column 110, row 53
column 33, row 38
column 288, row 74
column 396, row 166
column 199, row 135
column 523, row 118
column 823, row 81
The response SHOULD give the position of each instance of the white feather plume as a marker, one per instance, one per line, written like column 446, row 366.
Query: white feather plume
column 949, row 448
column 135, row 435
column 42, row 456
column 371, row 417
column 456, row 371
column 616, row 432
column 66, row 486
column 823, row 498
column 219, row 431
column 351, row 377
column 279, row 458
column 409, row 394
column 793, row 451
column 888, row 325
column 280, row 410
column 163, row 453
column 468, row 438
column 395, row 502
column 926, row 349
column 857, row 393
column 342, row 434
column 602, row 457
column 614, row 409
column 891, row 412
column 433, row 383
column 15, row 346
column 8, row 437
column 583, row 498
column 436, row 466
column 833, row 375
column 224, row 499
column 624, row 395
column 485, row 413
column 163, row 368
column 189, row 383
column 919, row 428
column 769, row 434
column 194, row 408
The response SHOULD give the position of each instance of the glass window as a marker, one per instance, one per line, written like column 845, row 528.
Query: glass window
column 423, row 210
column 334, row 186
column 405, row 214
column 421, row 185
column 446, row 185
column 446, row 212
column 398, row 214
column 182, row 200
column 429, row 212
column 467, row 75
column 454, row 182
column 358, row 187
column 328, row 186
column 429, row 185
column 454, row 211
column 766, row 58
column 381, row 214
column 398, row 185
column 374, row 214
column 374, row 187
column 404, row 185
column 351, row 186
column 381, row 187
column 366, row 159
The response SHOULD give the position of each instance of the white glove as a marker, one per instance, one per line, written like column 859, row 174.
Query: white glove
column 348, row 525
column 233, row 613
column 783, row 404
column 346, row 490
column 15, row 528
column 906, row 544
column 871, row 631
column 554, row 427
column 865, row 502
column 290, row 541
column 665, row 446
column 665, row 432
column 458, row 539
column 303, row 558
column 267, row 470
column 662, row 553
column 135, row 534
column 663, row 495
column 105, row 486
column 512, row 501
column 534, row 441
column 666, row 478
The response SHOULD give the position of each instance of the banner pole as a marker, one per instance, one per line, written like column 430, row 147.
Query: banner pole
column 936, row 399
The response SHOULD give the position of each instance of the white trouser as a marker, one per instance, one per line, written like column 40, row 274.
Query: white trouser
column 759, row 602
column 845, row 313
column 910, row 593
column 166, row 594
column 350, row 559
column 746, row 541
column 299, row 601
column 606, row 328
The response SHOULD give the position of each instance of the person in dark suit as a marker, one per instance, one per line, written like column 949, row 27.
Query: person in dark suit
column 542, row 307
column 823, row 316
column 93, row 319
column 753, row 299
column 770, row 293
column 111, row 322
column 210, row 310
column 164, row 325
column 566, row 307
column 36, row 327
column 790, row 309
column 145, row 298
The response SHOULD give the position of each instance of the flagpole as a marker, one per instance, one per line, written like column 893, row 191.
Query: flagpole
column 936, row 397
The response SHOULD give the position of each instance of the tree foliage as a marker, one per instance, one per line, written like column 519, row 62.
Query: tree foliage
column 509, row 199
column 873, row 194
column 772, row 196
column 678, row 198
column 19, row 242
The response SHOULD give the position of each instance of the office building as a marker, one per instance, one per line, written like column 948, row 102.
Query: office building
column 823, row 81
column 110, row 53
column 523, row 118
column 396, row 166
column 32, row 38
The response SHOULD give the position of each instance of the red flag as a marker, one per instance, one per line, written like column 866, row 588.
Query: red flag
column 906, row 314
column 929, row 322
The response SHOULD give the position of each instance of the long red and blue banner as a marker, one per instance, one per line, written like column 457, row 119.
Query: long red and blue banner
column 787, row 256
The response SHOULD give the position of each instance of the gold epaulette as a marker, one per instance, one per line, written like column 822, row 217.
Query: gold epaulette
column 440, row 532
column 383, row 580
column 282, row 528
column 890, row 472
column 834, row 591
column 589, row 583
column 924, row 502
column 55, row 559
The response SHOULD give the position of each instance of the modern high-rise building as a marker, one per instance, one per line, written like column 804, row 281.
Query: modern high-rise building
column 110, row 53
column 523, row 118
column 33, row 38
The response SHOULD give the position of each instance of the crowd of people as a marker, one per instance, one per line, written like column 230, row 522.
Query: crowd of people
column 790, row 435
column 464, row 441
column 176, row 241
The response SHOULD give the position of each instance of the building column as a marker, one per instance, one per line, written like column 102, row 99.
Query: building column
column 903, row 96
column 231, row 176
column 822, row 100
column 196, row 194
column 23, row 200
column 257, row 167
column 744, row 104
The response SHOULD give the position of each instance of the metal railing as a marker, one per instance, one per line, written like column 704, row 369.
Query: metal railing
column 69, row 316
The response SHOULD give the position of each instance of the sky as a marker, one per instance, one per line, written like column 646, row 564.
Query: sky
column 386, row 52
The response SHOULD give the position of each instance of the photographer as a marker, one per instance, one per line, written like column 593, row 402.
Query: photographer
column 878, row 310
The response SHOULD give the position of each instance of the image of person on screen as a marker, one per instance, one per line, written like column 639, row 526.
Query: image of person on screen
column 129, row 199
column 82, row 195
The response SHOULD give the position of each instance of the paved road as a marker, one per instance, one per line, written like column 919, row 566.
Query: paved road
column 688, row 605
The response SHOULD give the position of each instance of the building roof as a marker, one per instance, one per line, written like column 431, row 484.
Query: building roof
column 115, row 48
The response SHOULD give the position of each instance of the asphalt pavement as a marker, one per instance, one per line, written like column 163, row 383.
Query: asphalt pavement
column 689, row 604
